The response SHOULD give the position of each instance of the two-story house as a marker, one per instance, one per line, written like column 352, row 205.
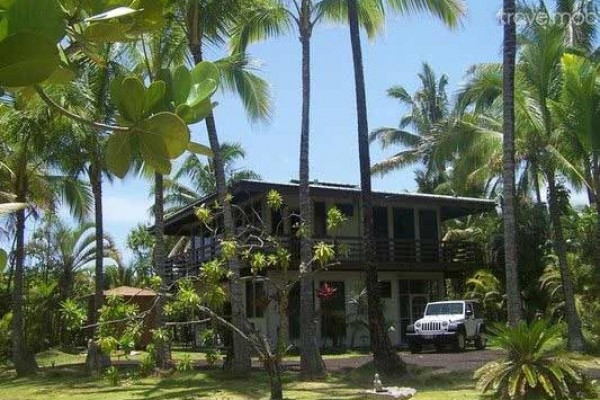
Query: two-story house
column 412, row 257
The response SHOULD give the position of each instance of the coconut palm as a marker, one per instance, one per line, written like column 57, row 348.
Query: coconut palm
column 278, row 17
column 29, row 141
column 417, row 132
column 201, row 176
column 509, row 209
column 211, row 23
column 450, row 12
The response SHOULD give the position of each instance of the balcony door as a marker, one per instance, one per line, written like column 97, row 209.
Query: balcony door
column 429, row 236
column 404, row 235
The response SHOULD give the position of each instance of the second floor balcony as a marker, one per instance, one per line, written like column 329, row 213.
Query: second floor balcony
column 390, row 254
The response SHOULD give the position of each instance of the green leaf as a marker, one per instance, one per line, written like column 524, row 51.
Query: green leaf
column 132, row 100
column 118, row 12
column 182, row 81
column 3, row 259
column 192, row 115
column 61, row 76
column 108, row 32
column 205, row 78
column 27, row 58
column 154, row 96
column 200, row 149
column 119, row 153
column 154, row 152
column 43, row 17
column 171, row 129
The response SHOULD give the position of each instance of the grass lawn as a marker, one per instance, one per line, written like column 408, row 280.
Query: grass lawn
column 66, row 381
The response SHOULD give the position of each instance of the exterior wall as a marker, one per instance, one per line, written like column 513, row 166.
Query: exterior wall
column 353, row 283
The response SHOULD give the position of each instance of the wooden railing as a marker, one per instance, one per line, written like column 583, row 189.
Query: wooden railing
column 388, row 252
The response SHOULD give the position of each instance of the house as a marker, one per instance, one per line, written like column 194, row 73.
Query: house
column 144, row 299
column 412, row 257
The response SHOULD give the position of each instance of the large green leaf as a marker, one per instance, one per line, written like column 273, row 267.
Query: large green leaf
column 182, row 81
column 27, row 58
column 119, row 153
column 153, row 96
column 43, row 17
column 115, row 13
column 193, row 115
column 132, row 99
column 205, row 80
column 108, row 32
column 3, row 259
column 154, row 152
column 171, row 129
column 200, row 149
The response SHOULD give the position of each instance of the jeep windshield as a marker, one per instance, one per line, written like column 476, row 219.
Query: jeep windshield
column 444, row 309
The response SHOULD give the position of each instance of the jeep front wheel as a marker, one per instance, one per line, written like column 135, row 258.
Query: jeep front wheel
column 460, row 341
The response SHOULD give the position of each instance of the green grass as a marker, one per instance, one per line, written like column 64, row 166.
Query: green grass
column 65, row 380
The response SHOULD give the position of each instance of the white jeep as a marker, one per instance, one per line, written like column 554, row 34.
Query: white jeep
column 448, row 323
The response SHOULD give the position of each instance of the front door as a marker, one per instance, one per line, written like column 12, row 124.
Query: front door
column 332, row 299
column 470, row 324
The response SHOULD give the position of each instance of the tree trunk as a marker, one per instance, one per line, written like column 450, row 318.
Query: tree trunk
column 23, row 358
column 96, row 182
column 241, row 362
column 311, row 363
column 274, row 369
column 576, row 342
column 385, row 358
column 163, row 350
column 596, row 198
column 508, row 160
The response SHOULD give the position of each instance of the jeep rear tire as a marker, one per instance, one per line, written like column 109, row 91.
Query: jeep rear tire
column 416, row 348
column 480, row 342
column 460, row 341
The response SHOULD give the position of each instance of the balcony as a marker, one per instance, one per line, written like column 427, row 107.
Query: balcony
column 391, row 255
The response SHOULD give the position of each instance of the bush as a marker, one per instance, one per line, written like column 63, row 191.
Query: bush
column 531, row 368
column 147, row 363
column 185, row 363
column 112, row 376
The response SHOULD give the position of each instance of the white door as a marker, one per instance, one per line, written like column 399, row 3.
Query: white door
column 470, row 324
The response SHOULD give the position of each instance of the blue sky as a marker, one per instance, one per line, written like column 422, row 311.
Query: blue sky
column 272, row 149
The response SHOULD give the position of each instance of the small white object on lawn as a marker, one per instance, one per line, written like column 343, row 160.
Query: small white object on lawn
column 393, row 392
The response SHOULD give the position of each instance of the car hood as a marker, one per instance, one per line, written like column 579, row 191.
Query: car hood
column 442, row 317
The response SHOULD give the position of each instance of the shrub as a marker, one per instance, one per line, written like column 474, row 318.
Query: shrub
column 531, row 369
column 147, row 363
column 185, row 363
column 112, row 376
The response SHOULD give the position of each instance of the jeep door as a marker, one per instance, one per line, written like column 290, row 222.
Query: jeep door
column 470, row 322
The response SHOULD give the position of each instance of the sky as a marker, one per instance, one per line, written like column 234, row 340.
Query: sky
column 394, row 58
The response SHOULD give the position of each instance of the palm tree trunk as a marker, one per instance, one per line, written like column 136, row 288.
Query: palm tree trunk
column 163, row 350
column 241, row 362
column 576, row 342
column 385, row 358
column 96, row 183
column 23, row 358
column 508, row 173
column 311, row 363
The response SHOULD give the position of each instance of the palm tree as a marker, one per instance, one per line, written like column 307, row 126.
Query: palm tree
column 213, row 22
column 202, row 176
column 450, row 12
column 509, row 210
column 274, row 18
column 30, row 140
column 428, row 107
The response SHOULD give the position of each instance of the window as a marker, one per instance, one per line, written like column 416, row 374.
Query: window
column 385, row 289
column 345, row 208
column 276, row 223
column 320, row 220
column 445, row 309
column 256, row 299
